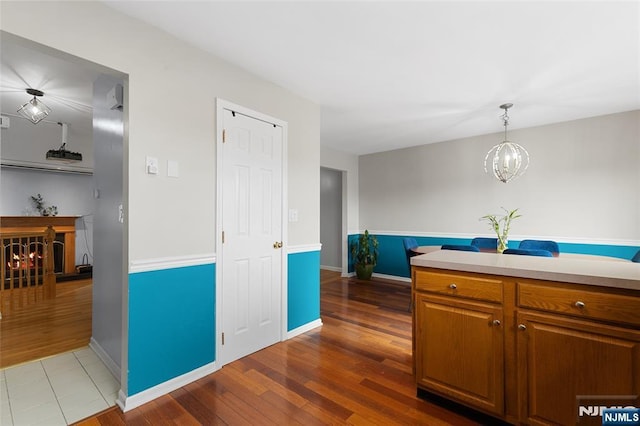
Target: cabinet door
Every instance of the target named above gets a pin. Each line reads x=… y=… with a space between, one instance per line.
x=564 y=363
x=459 y=350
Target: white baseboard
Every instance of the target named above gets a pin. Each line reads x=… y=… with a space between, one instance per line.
x=331 y=268
x=384 y=276
x=127 y=403
x=392 y=277
x=106 y=359
x=304 y=328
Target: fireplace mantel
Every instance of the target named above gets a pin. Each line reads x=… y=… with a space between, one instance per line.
x=65 y=225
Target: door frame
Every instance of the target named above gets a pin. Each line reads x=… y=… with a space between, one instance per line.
x=222 y=105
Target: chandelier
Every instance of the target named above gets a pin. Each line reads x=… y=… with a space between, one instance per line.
x=507 y=160
x=34 y=110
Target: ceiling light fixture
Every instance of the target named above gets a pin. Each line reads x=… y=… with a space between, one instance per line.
x=34 y=110
x=507 y=160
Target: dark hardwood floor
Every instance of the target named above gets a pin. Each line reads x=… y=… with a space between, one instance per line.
x=355 y=369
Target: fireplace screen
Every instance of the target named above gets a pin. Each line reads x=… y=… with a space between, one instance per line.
x=23 y=258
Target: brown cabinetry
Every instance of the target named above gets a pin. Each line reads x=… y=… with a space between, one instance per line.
x=524 y=350
x=460 y=350
x=575 y=345
x=459 y=337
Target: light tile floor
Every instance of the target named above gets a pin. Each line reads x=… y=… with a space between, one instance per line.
x=58 y=390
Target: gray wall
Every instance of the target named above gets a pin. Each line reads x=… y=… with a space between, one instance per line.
x=582 y=185
x=109 y=265
x=331 y=218
x=72 y=194
x=26 y=144
x=348 y=164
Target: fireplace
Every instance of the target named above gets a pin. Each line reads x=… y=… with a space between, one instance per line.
x=29 y=254
x=26 y=254
x=27 y=273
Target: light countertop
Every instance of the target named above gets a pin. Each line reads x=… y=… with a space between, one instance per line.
x=580 y=270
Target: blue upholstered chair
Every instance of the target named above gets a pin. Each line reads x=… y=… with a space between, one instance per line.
x=636 y=258
x=548 y=245
x=409 y=244
x=459 y=247
x=529 y=252
x=485 y=244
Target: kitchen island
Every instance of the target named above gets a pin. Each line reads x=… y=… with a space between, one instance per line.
x=529 y=340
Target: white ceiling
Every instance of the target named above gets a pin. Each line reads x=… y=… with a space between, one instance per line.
x=395 y=74
x=67 y=83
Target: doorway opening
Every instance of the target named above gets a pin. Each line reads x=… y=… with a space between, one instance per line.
x=333 y=220
x=90 y=191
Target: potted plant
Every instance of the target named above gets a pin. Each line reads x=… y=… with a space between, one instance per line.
x=364 y=253
x=38 y=203
x=501 y=226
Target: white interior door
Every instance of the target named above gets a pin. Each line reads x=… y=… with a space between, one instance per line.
x=251 y=252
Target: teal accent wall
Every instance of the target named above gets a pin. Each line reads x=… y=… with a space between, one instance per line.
x=171 y=324
x=351 y=239
x=392 y=259
x=303 y=288
x=623 y=252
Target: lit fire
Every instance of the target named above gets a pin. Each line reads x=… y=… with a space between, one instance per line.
x=31 y=260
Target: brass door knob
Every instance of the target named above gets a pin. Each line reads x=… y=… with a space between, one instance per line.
x=277 y=245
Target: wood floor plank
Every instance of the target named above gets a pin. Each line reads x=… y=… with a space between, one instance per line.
x=209 y=393
x=355 y=369
x=189 y=402
x=276 y=388
x=292 y=411
x=248 y=410
x=49 y=327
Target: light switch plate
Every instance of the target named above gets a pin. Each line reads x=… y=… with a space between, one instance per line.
x=173 y=170
x=293 y=215
x=152 y=165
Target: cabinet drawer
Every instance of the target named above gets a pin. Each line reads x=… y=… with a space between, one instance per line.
x=461 y=285
x=582 y=302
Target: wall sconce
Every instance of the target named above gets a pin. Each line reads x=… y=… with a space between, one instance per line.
x=507 y=160
x=34 y=110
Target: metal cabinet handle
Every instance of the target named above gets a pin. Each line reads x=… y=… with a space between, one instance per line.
x=579 y=304
x=522 y=327
x=453 y=286
x=496 y=322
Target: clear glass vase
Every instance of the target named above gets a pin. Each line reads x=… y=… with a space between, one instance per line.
x=502 y=244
